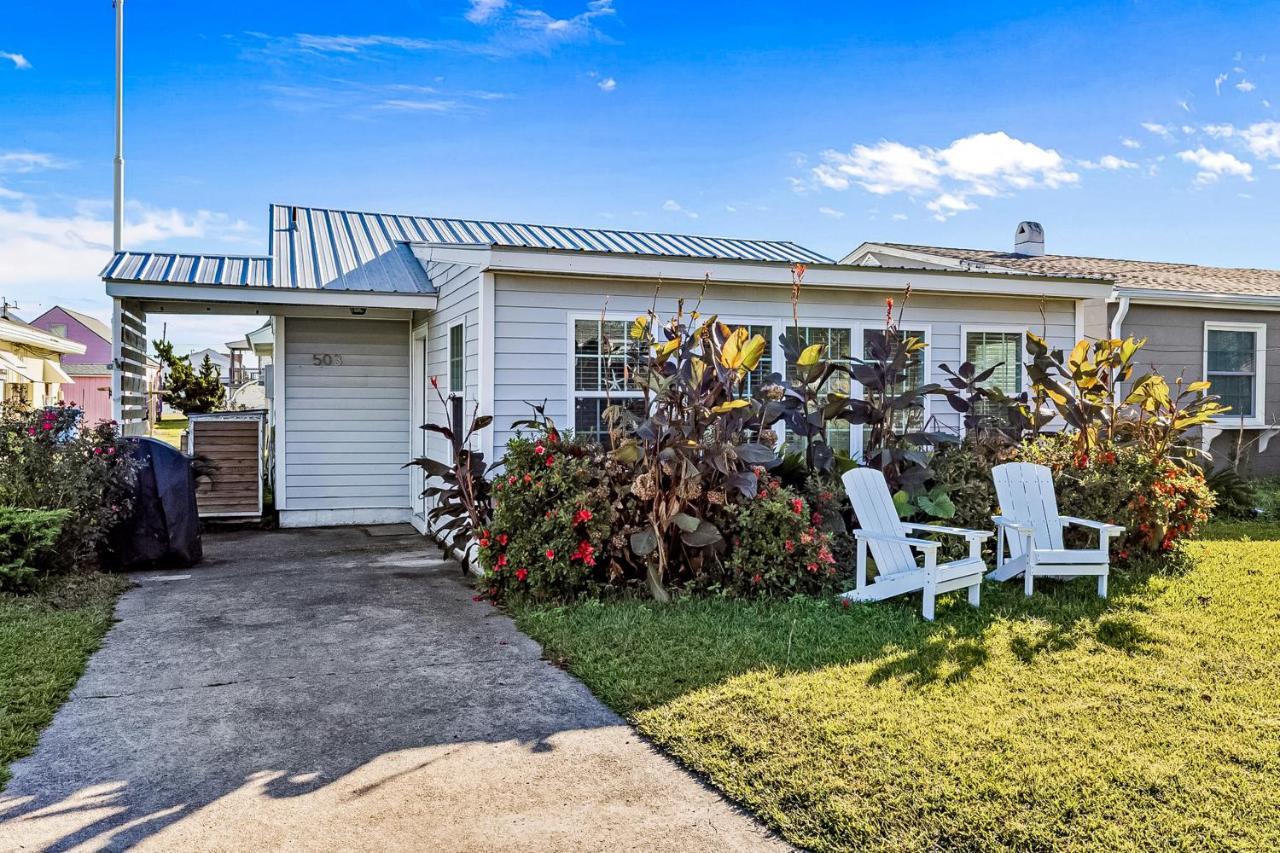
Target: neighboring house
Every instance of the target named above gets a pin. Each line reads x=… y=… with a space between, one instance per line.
x=30 y=370
x=223 y=361
x=90 y=371
x=367 y=308
x=1200 y=323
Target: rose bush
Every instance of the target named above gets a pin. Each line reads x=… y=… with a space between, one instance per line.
x=779 y=546
x=553 y=517
x=1158 y=501
x=49 y=459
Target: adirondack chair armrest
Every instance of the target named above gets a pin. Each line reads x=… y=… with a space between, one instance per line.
x=922 y=544
x=979 y=535
x=1001 y=521
x=1109 y=529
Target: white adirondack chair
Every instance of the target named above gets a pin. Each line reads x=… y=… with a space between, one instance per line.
x=1031 y=529
x=899 y=571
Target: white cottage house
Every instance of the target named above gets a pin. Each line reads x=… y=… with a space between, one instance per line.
x=365 y=308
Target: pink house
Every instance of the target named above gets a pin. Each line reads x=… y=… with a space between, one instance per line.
x=91 y=390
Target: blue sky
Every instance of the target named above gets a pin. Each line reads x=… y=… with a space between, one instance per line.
x=1127 y=129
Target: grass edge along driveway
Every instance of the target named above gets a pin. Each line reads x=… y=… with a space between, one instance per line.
x=1150 y=720
x=46 y=638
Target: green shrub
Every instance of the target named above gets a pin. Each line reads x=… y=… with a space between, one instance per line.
x=49 y=459
x=1235 y=497
x=552 y=522
x=28 y=538
x=1159 y=503
x=778 y=547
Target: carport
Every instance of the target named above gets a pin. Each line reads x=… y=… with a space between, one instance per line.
x=345 y=379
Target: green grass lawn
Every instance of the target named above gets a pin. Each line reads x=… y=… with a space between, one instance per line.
x=45 y=640
x=169 y=429
x=1151 y=720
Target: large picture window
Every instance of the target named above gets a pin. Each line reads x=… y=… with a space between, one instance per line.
x=838 y=343
x=1001 y=350
x=1234 y=359
x=604 y=362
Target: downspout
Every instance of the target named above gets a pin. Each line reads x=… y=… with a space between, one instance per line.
x=117 y=230
x=1117 y=322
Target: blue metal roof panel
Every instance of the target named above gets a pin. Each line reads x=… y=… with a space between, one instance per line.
x=315 y=247
x=175 y=268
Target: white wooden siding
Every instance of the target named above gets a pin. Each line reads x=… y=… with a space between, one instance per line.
x=531 y=347
x=458 y=300
x=346 y=435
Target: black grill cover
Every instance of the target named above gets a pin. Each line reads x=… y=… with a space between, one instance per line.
x=164 y=527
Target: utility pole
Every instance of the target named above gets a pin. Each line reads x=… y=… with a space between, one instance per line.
x=117 y=232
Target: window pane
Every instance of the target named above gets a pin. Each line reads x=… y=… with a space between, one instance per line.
x=988 y=349
x=757 y=377
x=915 y=371
x=588 y=415
x=1237 y=392
x=604 y=356
x=457 y=373
x=1231 y=351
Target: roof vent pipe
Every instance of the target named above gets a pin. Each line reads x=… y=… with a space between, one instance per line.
x=1029 y=239
x=117 y=220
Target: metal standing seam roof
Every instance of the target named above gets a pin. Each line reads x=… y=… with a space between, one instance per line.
x=317 y=247
x=171 y=268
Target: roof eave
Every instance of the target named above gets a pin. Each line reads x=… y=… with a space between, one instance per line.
x=1151 y=296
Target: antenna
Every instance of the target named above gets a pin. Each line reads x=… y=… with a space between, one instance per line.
x=117 y=232
x=5 y=305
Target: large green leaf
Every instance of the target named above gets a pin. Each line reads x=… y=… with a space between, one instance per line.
x=706 y=534
x=644 y=542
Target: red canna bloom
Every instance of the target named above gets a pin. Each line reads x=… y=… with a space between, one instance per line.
x=522 y=574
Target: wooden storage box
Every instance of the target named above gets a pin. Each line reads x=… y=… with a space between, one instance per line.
x=233 y=441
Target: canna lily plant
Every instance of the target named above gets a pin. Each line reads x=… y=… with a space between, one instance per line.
x=696 y=443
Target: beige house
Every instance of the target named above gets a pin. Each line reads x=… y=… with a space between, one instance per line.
x=31 y=372
x=1200 y=322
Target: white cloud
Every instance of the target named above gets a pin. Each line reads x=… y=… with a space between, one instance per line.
x=831 y=212
x=482 y=11
x=29 y=161
x=1218 y=81
x=608 y=84
x=1261 y=138
x=673 y=206
x=1161 y=130
x=71 y=248
x=1185 y=104
x=947 y=205
x=983 y=164
x=1245 y=86
x=899 y=217
x=565 y=29
x=1215 y=164
x=1131 y=143
x=1109 y=162
x=19 y=61
x=421 y=106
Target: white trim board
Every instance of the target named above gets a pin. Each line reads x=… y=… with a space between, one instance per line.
x=199 y=295
x=1259 y=416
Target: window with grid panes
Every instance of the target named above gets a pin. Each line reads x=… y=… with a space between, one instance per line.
x=604 y=361
x=1231 y=365
x=838 y=347
x=911 y=420
x=987 y=349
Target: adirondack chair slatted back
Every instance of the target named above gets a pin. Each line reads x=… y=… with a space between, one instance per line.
x=1025 y=492
x=873 y=506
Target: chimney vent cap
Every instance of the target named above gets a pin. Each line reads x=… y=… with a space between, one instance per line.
x=1029 y=239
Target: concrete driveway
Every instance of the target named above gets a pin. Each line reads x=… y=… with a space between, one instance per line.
x=339 y=689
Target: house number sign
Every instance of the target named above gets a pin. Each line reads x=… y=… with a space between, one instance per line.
x=326 y=359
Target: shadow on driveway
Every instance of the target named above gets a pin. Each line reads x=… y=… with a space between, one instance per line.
x=339 y=688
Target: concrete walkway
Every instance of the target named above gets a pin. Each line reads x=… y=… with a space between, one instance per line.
x=339 y=689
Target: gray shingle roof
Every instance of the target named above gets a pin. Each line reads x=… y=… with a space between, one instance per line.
x=1140 y=275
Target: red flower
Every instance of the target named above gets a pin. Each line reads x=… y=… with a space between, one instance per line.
x=789 y=545
x=521 y=574
x=502 y=560
x=550 y=460
x=435 y=382
x=553 y=436
x=528 y=478
x=582 y=516
x=797 y=506
x=813 y=568
x=844 y=602
x=502 y=539
x=539 y=449
x=757 y=578
x=551 y=555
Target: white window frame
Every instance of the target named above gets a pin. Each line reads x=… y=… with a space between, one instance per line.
x=572 y=392
x=855 y=387
x=999 y=328
x=448 y=360
x=778 y=327
x=1260 y=368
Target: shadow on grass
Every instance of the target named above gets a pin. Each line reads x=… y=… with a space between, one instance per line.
x=625 y=650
